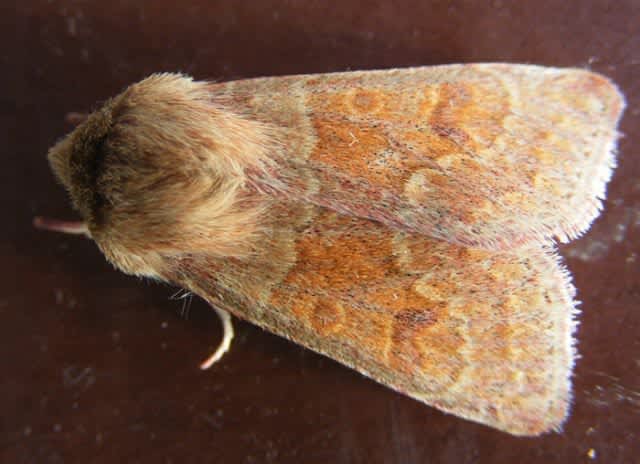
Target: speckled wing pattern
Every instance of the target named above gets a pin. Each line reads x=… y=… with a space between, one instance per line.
x=489 y=155
x=484 y=335
x=406 y=237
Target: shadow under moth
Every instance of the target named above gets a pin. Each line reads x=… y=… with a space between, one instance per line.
x=401 y=222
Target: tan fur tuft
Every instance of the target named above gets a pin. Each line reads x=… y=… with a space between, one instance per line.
x=162 y=169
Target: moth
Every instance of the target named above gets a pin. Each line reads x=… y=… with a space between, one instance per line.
x=401 y=222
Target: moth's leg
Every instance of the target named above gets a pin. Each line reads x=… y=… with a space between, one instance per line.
x=227 y=336
x=75 y=118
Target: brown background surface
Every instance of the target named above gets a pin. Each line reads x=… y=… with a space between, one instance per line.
x=100 y=367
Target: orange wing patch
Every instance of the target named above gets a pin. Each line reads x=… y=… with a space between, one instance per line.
x=345 y=284
x=403 y=307
x=414 y=144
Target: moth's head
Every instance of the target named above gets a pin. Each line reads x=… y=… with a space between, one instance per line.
x=161 y=169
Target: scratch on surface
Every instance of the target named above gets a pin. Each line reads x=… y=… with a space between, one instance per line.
x=82 y=377
x=604 y=396
x=603 y=235
x=402 y=438
x=348 y=447
x=214 y=420
x=62 y=298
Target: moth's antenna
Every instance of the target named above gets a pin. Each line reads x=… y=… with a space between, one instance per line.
x=67 y=227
